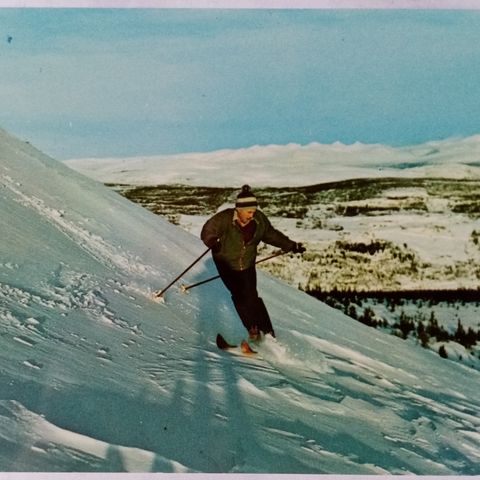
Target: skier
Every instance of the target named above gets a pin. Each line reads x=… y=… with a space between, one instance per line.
x=233 y=235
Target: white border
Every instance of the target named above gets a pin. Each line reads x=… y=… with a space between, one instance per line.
x=235 y=4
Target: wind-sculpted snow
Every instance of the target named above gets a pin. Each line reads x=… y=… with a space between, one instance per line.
x=69 y=451
x=96 y=377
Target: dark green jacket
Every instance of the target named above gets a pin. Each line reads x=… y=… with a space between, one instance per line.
x=237 y=254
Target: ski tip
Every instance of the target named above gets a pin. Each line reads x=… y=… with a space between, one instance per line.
x=247 y=349
x=244 y=349
x=222 y=343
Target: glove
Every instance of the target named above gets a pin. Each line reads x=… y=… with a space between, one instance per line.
x=215 y=245
x=298 y=248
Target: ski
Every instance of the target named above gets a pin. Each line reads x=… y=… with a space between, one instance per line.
x=245 y=348
x=222 y=344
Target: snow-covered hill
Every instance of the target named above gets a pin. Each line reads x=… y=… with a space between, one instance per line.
x=290 y=165
x=97 y=377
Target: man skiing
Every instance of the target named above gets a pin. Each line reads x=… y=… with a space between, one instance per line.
x=233 y=236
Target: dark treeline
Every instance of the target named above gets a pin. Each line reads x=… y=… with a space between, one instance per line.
x=423 y=326
x=454 y=295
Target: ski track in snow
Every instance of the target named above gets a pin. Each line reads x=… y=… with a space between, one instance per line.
x=94 y=245
x=25 y=314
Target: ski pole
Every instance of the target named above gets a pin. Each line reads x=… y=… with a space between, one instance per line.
x=186 y=288
x=159 y=293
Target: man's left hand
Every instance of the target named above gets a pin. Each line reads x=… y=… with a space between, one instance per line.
x=298 y=248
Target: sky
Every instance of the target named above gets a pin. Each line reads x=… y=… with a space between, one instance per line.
x=127 y=82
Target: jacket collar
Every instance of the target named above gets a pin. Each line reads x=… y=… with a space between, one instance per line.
x=235 y=218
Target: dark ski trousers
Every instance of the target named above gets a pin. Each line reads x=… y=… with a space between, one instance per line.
x=242 y=284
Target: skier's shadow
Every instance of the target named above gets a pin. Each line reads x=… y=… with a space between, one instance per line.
x=214 y=313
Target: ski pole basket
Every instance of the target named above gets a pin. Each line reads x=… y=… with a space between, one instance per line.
x=160 y=293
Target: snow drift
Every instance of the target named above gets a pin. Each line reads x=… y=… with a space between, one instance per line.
x=94 y=376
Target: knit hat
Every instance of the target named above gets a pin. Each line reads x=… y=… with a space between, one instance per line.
x=246 y=198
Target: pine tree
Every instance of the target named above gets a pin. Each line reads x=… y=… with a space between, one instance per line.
x=443 y=352
x=470 y=338
x=434 y=330
x=422 y=335
x=432 y=327
x=460 y=334
x=368 y=317
x=405 y=325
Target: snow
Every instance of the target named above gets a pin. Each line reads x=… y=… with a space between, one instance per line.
x=97 y=377
x=290 y=165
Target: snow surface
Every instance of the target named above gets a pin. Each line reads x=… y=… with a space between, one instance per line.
x=290 y=165
x=96 y=377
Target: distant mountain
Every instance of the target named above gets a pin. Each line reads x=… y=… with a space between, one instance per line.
x=290 y=165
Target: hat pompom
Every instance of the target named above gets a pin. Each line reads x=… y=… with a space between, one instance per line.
x=246 y=198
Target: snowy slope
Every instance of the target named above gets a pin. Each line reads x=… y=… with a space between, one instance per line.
x=290 y=165
x=97 y=377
